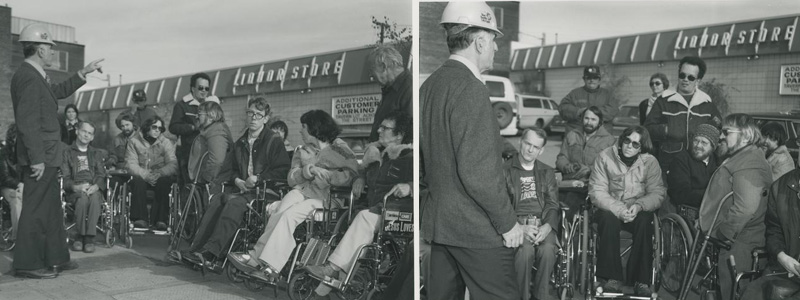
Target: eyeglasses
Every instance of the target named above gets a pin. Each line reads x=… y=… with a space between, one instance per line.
x=381 y=127
x=655 y=83
x=156 y=127
x=726 y=131
x=636 y=145
x=254 y=116
x=591 y=77
x=204 y=88
x=687 y=76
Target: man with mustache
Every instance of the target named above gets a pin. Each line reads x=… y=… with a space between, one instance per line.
x=690 y=171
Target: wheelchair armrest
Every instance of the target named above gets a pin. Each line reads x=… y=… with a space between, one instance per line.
x=759 y=252
x=563 y=206
x=719 y=243
x=341 y=189
x=274 y=183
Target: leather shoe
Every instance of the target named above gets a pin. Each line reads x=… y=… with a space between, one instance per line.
x=36 y=274
x=67 y=266
x=77 y=246
x=88 y=248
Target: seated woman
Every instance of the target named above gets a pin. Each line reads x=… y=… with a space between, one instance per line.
x=224 y=213
x=10 y=184
x=388 y=168
x=85 y=180
x=323 y=161
x=150 y=159
x=625 y=185
x=214 y=141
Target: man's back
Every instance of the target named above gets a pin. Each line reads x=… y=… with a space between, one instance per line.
x=468 y=204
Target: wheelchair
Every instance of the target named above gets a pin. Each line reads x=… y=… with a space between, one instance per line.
x=377 y=261
x=186 y=211
x=577 y=260
x=6 y=243
x=105 y=224
x=117 y=216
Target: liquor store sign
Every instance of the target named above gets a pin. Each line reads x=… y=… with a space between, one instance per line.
x=352 y=110
x=790 y=80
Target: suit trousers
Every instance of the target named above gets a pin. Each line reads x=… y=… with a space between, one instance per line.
x=278 y=238
x=87 y=211
x=41 y=238
x=223 y=216
x=487 y=273
x=361 y=232
x=14 y=200
x=159 y=211
x=640 y=262
x=544 y=255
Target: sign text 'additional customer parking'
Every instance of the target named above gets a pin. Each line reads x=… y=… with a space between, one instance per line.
x=351 y=110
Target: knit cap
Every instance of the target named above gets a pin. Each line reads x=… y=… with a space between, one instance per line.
x=708 y=131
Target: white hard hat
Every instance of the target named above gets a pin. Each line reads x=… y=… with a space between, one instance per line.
x=36 y=33
x=474 y=14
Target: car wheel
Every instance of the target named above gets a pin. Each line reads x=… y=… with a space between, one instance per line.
x=503 y=112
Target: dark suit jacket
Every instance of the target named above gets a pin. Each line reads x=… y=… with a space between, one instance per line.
x=467 y=203
x=36 y=114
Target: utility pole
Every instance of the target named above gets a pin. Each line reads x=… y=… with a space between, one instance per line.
x=108 y=79
x=544 y=38
x=383 y=25
x=120 y=79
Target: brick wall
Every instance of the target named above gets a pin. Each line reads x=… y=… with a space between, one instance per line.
x=6 y=71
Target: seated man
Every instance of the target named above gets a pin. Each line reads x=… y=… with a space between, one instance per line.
x=782 y=241
x=579 y=151
x=119 y=144
x=258 y=155
x=626 y=187
x=151 y=161
x=388 y=167
x=534 y=194
x=690 y=170
x=84 y=180
x=323 y=161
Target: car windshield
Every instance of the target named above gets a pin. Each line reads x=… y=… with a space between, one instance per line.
x=629 y=112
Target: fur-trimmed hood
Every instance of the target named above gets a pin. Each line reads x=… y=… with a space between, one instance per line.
x=373 y=153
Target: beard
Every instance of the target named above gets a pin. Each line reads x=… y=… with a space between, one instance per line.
x=589 y=129
x=127 y=132
x=700 y=154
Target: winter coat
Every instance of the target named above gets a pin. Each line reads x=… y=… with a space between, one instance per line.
x=270 y=159
x=215 y=140
x=393 y=165
x=97 y=159
x=336 y=158
x=741 y=219
x=184 y=115
x=615 y=187
x=781 y=162
x=143 y=158
x=119 y=147
x=395 y=97
x=577 y=149
x=782 y=218
x=546 y=188
x=581 y=98
x=672 y=119
x=687 y=178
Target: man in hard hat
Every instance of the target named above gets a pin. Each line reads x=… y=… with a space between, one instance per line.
x=41 y=239
x=590 y=94
x=467 y=215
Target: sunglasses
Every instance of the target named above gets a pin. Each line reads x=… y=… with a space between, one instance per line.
x=726 y=131
x=591 y=77
x=381 y=127
x=655 y=83
x=156 y=127
x=686 y=76
x=636 y=145
x=204 y=88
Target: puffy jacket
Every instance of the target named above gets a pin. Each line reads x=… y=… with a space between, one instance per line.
x=546 y=188
x=270 y=159
x=671 y=120
x=781 y=162
x=97 y=159
x=395 y=165
x=214 y=139
x=615 y=187
x=782 y=218
x=143 y=158
x=580 y=98
x=577 y=149
x=747 y=174
x=119 y=147
x=336 y=158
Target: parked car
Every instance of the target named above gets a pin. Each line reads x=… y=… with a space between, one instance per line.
x=502 y=94
x=628 y=116
x=557 y=125
x=535 y=111
x=790 y=120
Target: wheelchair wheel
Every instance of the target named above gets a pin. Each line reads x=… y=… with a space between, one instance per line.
x=110 y=238
x=301 y=286
x=129 y=242
x=360 y=284
x=375 y=294
x=675 y=240
x=6 y=244
x=193 y=216
x=234 y=274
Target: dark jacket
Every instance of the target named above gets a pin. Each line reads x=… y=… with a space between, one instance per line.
x=396 y=165
x=747 y=174
x=216 y=140
x=184 y=115
x=119 y=147
x=687 y=179
x=467 y=204
x=546 y=188
x=270 y=159
x=36 y=114
x=68 y=132
x=580 y=98
x=643 y=111
x=396 y=96
x=142 y=115
x=97 y=159
x=576 y=148
x=783 y=217
x=669 y=124
x=9 y=174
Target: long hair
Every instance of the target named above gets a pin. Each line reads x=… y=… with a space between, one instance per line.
x=747 y=126
x=213 y=111
x=150 y=122
x=320 y=125
x=647 y=144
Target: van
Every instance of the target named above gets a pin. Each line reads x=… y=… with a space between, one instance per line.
x=502 y=94
x=535 y=111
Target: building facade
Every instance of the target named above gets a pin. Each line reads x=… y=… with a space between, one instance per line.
x=69 y=59
x=756 y=63
x=337 y=82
